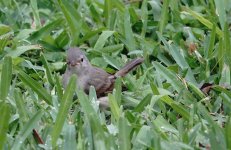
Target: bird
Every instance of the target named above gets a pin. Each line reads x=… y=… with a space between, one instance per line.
x=88 y=75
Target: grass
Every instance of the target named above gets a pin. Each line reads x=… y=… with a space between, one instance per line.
x=179 y=98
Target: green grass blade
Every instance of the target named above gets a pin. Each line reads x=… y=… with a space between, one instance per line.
x=63 y=110
x=70 y=137
x=107 y=11
x=102 y=39
x=90 y=112
x=27 y=130
x=228 y=133
x=115 y=111
x=5 y=33
x=144 y=138
x=154 y=88
x=98 y=132
x=112 y=61
x=119 y=4
x=4 y=123
x=91 y=34
x=48 y=71
x=168 y=75
x=36 y=87
x=6 y=77
x=204 y=21
x=220 y=8
x=211 y=42
x=124 y=131
x=96 y=15
x=112 y=48
x=4 y=29
x=221 y=89
x=74 y=11
x=63 y=39
x=58 y=87
x=176 y=106
x=220 y=57
x=141 y=80
x=143 y=103
x=23 y=115
x=227 y=45
x=3 y=43
x=144 y=17
x=181 y=110
x=164 y=16
x=216 y=134
x=175 y=53
x=130 y=40
x=35 y=13
x=92 y=93
x=168 y=100
x=46 y=29
x=74 y=22
x=225 y=76
x=22 y=49
x=164 y=126
x=118 y=88
x=196 y=90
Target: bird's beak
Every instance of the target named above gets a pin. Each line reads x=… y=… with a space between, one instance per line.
x=75 y=63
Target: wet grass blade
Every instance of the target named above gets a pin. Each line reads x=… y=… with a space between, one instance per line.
x=6 y=77
x=124 y=131
x=48 y=71
x=27 y=130
x=114 y=107
x=112 y=48
x=63 y=109
x=168 y=75
x=130 y=40
x=23 y=115
x=211 y=42
x=46 y=29
x=70 y=137
x=196 y=90
x=102 y=39
x=96 y=127
x=228 y=133
x=220 y=8
x=22 y=49
x=107 y=11
x=143 y=103
x=174 y=52
x=90 y=34
x=227 y=45
x=204 y=21
x=35 y=13
x=144 y=17
x=118 y=88
x=4 y=123
x=58 y=87
x=74 y=22
x=181 y=110
x=216 y=134
x=35 y=86
x=164 y=16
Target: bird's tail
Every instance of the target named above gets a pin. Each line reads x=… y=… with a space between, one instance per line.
x=128 y=67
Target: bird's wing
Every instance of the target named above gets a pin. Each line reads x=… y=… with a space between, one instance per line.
x=101 y=80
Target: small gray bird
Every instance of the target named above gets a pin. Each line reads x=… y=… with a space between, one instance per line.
x=88 y=75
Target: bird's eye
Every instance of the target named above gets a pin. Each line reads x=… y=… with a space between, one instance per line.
x=68 y=62
x=81 y=59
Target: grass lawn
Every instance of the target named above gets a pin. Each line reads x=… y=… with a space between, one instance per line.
x=178 y=98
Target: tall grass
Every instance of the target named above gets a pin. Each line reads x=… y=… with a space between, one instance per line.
x=179 y=98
